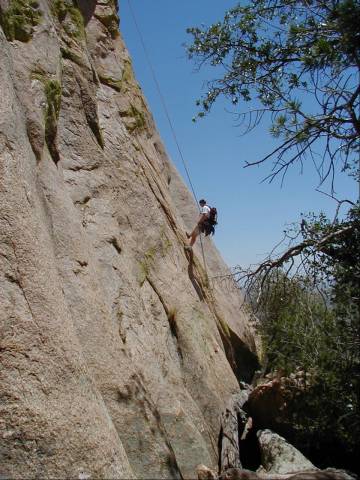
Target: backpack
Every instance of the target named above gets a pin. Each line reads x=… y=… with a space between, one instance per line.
x=209 y=224
x=213 y=216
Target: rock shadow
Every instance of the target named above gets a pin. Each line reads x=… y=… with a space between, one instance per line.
x=242 y=360
x=87 y=8
x=194 y=281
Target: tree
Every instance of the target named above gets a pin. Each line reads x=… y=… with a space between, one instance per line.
x=310 y=323
x=297 y=64
x=298 y=61
x=304 y=335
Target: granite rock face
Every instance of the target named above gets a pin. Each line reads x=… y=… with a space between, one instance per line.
x=279 y=456
x=117 y=354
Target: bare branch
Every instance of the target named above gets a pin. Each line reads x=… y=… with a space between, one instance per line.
x=268 y=265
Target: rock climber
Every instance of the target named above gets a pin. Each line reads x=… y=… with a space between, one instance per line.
x=200 y=226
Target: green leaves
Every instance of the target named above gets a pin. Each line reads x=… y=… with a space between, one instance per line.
x=310 y=322
x=272 y=53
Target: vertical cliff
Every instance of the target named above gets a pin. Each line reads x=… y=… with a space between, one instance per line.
x=117 y=353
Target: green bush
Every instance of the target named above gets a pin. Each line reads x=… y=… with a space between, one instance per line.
x=303 y=330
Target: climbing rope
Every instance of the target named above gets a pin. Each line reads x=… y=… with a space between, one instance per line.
x=166 y=111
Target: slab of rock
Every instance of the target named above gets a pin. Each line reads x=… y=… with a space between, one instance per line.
x=117 y=356
x=205 y=473
x=278 y=456
x=328 y=474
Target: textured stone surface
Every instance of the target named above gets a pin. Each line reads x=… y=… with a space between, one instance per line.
x=328 y=474
x=117 y=356
x=278 y=456
x=269 y=404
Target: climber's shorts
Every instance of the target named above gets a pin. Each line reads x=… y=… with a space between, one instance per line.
x=200 y=228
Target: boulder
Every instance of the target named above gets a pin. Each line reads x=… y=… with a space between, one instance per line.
x=328 y=474
x=278 y=456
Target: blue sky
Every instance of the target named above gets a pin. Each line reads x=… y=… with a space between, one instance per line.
x=252 y=215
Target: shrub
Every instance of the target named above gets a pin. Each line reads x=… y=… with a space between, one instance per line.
x=320 y=336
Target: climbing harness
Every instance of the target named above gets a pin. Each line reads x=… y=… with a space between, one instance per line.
x=162 y=99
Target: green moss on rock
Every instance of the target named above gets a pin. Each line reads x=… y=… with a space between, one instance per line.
x=19 y=19
x=111 y=82
x=110 y=22
x=52 y=91
x=70 y=17
x=146 y=263
x=53 y=96
x=120 y=85
x=138 y=117
x=38 y=74
x=53 y=102
x=70 y=55
x=59 y=9
x=128 y=74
